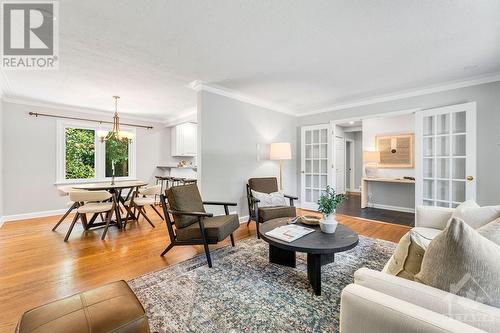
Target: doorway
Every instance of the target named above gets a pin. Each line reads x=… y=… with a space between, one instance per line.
x=350 y=162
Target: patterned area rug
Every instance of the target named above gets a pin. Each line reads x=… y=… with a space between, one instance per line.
x=243 y=292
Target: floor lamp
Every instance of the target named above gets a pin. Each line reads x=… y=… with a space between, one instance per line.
x=280 y=151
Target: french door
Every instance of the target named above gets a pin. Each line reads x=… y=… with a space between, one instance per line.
x=445 y=150
x=314 y=164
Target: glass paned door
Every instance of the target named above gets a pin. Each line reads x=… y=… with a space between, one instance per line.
x=446 y=155
x=315 y=160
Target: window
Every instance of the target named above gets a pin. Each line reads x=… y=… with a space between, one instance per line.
x=116 y=158
x=80 y=153
x=82 y=157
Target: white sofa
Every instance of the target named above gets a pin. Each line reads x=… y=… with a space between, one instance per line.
x=382 y=303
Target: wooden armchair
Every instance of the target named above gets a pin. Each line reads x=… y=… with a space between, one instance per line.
x=194 y=226
x=263 y=214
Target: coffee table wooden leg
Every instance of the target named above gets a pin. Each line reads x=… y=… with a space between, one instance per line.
x=314 y=272
x=281 y=257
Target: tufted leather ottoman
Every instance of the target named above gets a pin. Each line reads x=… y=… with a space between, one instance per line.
x=109 y=308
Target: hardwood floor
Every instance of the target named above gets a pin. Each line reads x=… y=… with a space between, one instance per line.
x=352 y=207
x=36 y=266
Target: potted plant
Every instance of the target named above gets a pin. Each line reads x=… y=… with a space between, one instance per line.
x=327 y=205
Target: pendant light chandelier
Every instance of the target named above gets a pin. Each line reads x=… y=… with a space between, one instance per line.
x=115 y=132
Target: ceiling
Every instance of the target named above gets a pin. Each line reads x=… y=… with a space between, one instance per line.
x=299 y=55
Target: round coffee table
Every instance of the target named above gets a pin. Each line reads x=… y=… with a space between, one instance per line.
x=320 y=248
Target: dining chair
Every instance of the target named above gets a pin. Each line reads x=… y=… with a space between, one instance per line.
x=91 y=202
x=63 y=191
x=142 y=198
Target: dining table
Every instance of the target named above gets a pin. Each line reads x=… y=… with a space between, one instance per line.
x=116 y=189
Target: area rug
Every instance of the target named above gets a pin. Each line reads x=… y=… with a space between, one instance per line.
x=243 y=292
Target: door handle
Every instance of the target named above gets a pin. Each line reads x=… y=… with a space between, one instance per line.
x=302 y=171
x=470 y=178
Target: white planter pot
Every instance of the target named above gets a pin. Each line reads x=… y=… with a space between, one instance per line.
x=328 y=224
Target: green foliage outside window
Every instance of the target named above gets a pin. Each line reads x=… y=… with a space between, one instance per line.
x=117 y=152
x=80 y=153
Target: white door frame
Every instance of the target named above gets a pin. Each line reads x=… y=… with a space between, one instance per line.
x=303 y=204
x=334 y=166
x=352 y=161
x=471 y=162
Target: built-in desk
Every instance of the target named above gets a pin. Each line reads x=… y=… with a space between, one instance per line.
x=366 y=181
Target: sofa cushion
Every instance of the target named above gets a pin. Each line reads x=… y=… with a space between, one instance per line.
x=185 y=198
x=273 y=199
x=110 y=308
x=476 y=216
x=407 y=258
x=426 y=235
x=461 y=261
x=491 y=231
x=479 y=315
x=269 y=213
x=216 y=228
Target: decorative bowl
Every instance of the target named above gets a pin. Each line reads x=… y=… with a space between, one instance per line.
x=309 y=220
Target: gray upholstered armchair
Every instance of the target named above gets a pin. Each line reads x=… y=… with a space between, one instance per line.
x=263 y=214
x=194 y=226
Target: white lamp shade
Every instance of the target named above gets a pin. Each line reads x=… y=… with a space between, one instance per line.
x=280 y=151
x=371 y=157
x=102 y=133
x=127 y=135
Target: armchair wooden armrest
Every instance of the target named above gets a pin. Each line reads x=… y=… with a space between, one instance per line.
x=198 y=214
x=219 y=203
x=292 y=198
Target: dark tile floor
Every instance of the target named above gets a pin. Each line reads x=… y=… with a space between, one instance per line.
x=352 y=207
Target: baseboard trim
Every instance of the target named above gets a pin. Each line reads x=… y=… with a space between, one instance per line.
x=395 y=208
x=55 y=212
x=33 y=215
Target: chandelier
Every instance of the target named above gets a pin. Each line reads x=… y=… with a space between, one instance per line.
x=115 y=133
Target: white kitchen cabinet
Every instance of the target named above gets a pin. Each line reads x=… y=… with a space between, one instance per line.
x=184 y=139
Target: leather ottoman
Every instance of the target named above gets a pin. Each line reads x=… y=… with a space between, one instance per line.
x=109 y=308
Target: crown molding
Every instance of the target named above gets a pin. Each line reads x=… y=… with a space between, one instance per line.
x=199 y=85
x=188 y=115
x=450 y=85
x=237 y=95
x=74 y=108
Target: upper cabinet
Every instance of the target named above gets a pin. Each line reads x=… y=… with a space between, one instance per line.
x=184 y=139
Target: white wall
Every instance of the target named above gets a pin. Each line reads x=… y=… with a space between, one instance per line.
x=384 y=126
x=29 y=157
x=487 y=97
x=230 y=131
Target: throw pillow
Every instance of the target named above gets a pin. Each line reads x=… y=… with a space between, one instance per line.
x=461 y=261
x=407 y=258
x=476 y=216
x=269 y=199
x=491 y=231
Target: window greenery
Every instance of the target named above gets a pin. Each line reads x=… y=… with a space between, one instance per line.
x=80 y=153
x=117 y=153
x=85 y=157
